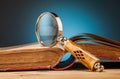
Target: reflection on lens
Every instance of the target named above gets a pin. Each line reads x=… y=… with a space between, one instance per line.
x=47 y=29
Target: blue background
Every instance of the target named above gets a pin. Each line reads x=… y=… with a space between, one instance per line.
x=18 y=18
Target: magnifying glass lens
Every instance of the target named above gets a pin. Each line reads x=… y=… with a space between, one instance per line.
x=47 y=29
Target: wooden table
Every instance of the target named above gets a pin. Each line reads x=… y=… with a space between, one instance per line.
x=67 y=74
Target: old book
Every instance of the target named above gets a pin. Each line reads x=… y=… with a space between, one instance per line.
x=30 y=56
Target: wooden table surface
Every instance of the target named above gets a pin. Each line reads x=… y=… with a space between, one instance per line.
x=66 y=74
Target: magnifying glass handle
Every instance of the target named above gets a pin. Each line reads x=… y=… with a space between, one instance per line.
x=83 y=56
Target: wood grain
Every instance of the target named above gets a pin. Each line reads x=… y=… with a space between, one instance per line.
x=68 y=74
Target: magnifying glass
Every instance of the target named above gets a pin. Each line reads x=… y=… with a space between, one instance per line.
x=49 y=34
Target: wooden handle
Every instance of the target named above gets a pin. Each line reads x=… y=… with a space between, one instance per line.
x=83 y=56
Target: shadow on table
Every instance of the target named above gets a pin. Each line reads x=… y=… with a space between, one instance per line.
x=107 y=65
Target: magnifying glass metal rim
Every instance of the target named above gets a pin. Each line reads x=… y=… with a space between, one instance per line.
x=59 y=23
